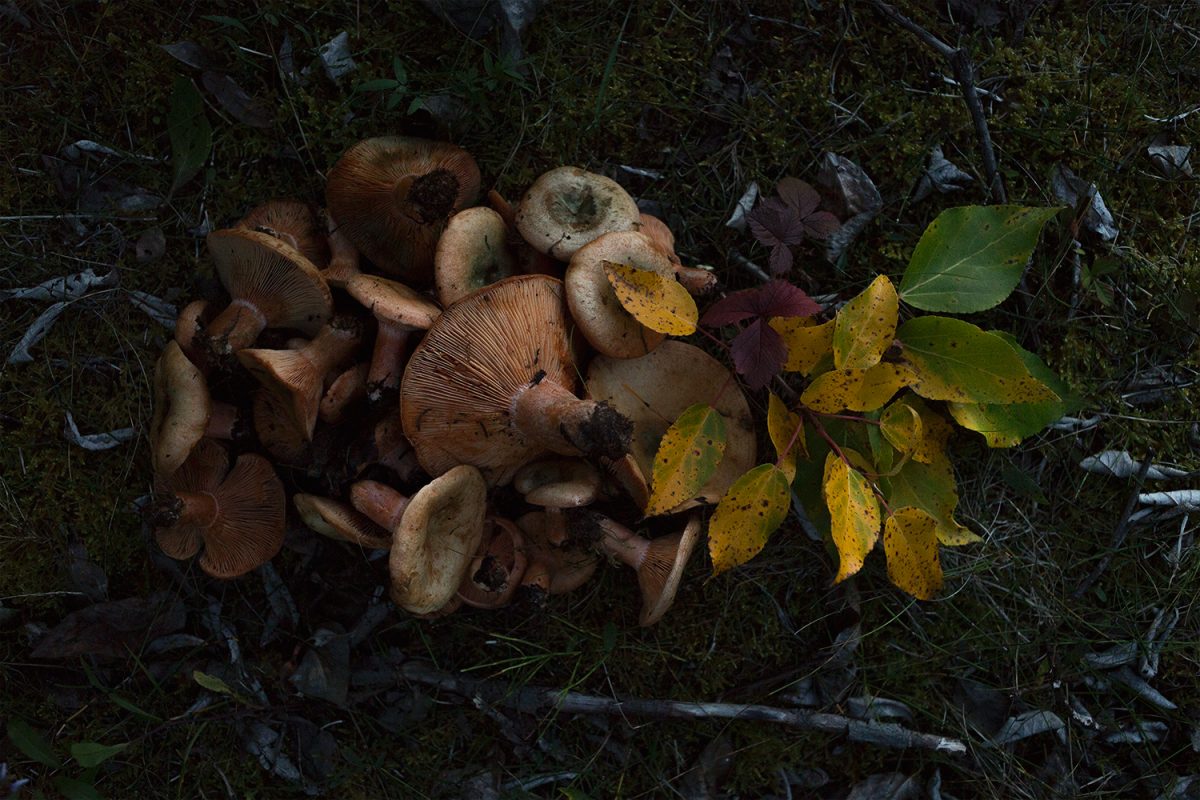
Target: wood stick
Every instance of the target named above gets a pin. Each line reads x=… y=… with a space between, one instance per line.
x=536 y=699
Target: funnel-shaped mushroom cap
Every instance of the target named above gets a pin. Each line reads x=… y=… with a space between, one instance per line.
x=491 y=384
x=558 y=483
x=471 y=254
x=181 y=409
x=495 y=573
x=553 y=568
x=594 y=305
x=653 y=390
x=295 y=222
x=438 y=536
x=568 y=207
x=200 y=474
x=277 y=431
x=392 y=196
x=662 y=570
x=271 y=285
x=250 y=530
x=339 y=521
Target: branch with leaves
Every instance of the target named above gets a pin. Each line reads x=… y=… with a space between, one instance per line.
x=864 y=446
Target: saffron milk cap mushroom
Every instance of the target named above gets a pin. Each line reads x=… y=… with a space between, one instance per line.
x=471 y=253
x=399 y=311
x=337 y=520
x=295 y=222
x=568 y=207
x=495 y=573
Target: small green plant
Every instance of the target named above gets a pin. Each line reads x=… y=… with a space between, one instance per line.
x=862 y=443
x=87 y=755
x=474 y=88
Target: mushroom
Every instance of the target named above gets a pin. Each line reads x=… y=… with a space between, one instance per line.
x=392 y=196
x=297 y=376
x=343 y=256
x=659 y=562
x=436 y=540
x=399 y=310
x=394 y=451
x=271 y=285
x=696 y=280
x=189 y=328
x=346 y=389
x=293 y=221
x=568 y=207
x=238 y=517
x=595 y=308
x=471 y=254
x=554 y=567
x=495 y=573
x=491 y=384
x=528 y=260
x=339 y=521
x=653 y=390
x=556 y=484
x=277 y=431
x=184 y=411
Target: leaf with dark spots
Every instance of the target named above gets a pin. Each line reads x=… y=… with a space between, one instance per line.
x=777 y=298
x=112 y=630
x=233 y=98
x=758 y=354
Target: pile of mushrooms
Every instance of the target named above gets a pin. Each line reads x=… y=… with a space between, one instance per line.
x=404 y=366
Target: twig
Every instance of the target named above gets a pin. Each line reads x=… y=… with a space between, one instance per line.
x=964 y=73
x=533 y=699
x=1120 y=532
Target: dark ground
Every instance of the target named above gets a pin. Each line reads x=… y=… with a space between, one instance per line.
x=709 y=97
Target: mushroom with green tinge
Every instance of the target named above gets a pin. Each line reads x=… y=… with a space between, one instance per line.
x=472 y=253
x=568 y=207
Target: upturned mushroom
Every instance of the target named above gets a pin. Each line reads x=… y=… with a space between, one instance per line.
x=272 y=285
x=295 y=222
x=568 y=207
x=184 y=411
x=339 y=521
x=554 y=567
x=492 y=384
x=392 y=197
x=496 y=571
x=659 y=562
x=595 y=308
x=556 y=484
x=399 y=311
x=472 y=253
x=653 y=390
x=297 y=376
x=238 y=517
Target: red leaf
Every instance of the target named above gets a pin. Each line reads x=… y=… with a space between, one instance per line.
x=774 y=299
x=821 y=225
x=781 y=260
x=799 y=196
x=774 y=223
x=758 y=353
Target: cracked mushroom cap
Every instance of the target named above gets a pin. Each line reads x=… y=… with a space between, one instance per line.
x=595 y=308
x=295 y=222
x=338 y=520
x=436 y=540
x=653 y=390
x=492 y=384
x=182 y=407
x=472 y=253
x=392 y=197
x=568 y=207
x=272 y=285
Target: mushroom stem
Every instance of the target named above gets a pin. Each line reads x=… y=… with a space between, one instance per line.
x=343 y=257
x=696 y=279
x=236 y=327
x=380 y=502
x=554 y=418
x=620 y=542
x=178 y=509
x=387 y=360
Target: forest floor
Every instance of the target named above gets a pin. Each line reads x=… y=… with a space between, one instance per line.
x=685 y=104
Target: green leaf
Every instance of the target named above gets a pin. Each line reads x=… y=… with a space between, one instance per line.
x=971 y=258
x=854 y=513
x=931 y=488
x=911 y=545
x=1005 y=425
x=91 y=754
x=377 y=85
x=229 y=22
x=399 y=71
x=31 y=743
x=687 y=457
x=865 y=326
x=72 y=789
x=954 y=360
x=213 y=683
x=856 y=389
x=753 y=508
x=191 y=135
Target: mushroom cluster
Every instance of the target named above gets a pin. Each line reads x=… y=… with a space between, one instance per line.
x=405 y=365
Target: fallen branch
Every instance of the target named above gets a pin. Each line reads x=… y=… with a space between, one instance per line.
x=535 y=699
x=964 y=74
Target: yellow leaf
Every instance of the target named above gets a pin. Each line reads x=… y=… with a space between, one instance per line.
x=657 y=301
x=931 y=488
x=753 y=508
x=787 y=434
x=911 y=544
x=806 y=343
x=687 y=456
x=912 y=427
x=853 y=512
x=866 y=326
x=856 y=389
